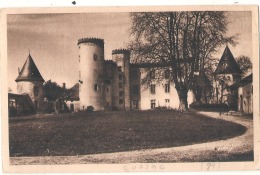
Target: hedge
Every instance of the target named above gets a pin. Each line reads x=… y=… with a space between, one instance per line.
x=210 y=107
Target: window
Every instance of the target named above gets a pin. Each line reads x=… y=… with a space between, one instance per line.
x=153 y=104
x=12 y=103
x=79 y=58
x=121 y=93
x=167 y=103
x=135 y=89
x=167 y=74
x=121 y=101
x=107 y=89
x=152 y=88
x=152 y=74
x=96 y=88
x=36 y=90
x=120 y=84
x=120 y=77
x=95 y=57
x=119 y=68
x=167 y=88
x=95 y=73
x=228 y=77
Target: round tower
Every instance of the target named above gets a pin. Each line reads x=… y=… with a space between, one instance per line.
x=30 y=81
x=122 y=58
x=91 y=68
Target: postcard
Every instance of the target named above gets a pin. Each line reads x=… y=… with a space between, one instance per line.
x=130 y=89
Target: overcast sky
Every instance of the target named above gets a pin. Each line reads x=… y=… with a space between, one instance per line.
x=52 y=40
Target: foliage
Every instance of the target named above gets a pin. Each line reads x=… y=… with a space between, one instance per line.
x=245 y=64
x=210 y=107
x=90 y=108
x=182 y=41
x=52 y=91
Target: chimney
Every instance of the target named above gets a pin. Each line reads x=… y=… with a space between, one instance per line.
x=64 y=85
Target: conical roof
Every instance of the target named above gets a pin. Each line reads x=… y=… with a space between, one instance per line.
x=227 y=64
x=29 y=71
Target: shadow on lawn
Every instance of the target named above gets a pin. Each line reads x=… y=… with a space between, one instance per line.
x=101 y=132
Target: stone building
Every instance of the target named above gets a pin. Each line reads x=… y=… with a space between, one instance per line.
x=227 y=73
x=116 y=84
x=29 y=97
x=244 y=93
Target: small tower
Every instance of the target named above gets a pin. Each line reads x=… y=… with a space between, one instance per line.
x=91 y=70
x=30 y=81
x=228 y=67
x=122 y=58
x=227 y=73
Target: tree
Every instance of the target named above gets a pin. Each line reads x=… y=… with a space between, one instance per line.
x=182 y=41
x=52 y=91
x=245 y=64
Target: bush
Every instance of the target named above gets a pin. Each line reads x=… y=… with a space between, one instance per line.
x=210 y=107
x=161 y=108
x=90 y=109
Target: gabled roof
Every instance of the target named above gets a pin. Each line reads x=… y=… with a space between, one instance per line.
x=74 y=93
x=227 y=64
x=21 y=98
x=29 y=71
x=245 y=81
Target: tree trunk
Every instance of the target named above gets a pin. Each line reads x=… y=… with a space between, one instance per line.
x=183 y=106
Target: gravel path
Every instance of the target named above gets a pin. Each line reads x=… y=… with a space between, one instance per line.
x=221 y=150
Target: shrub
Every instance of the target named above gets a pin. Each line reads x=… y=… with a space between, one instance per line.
x=90 y=109
x=210 y=107
x=161 y=108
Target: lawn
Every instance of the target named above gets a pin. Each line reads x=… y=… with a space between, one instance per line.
x=101 y=132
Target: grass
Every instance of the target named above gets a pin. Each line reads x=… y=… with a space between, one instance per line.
x=100 y=132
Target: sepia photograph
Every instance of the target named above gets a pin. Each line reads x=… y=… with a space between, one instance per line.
x=143 y=88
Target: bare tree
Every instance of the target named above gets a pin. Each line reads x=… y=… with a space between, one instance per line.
x=178 y=41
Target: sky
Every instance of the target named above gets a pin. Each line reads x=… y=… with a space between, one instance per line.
x=52 y=40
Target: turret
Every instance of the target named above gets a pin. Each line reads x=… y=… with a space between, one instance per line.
x=122 y=58
x=227 y=73
x=91 y=70
x=30 y=81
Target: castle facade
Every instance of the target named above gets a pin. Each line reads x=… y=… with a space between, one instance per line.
x=116 y=84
